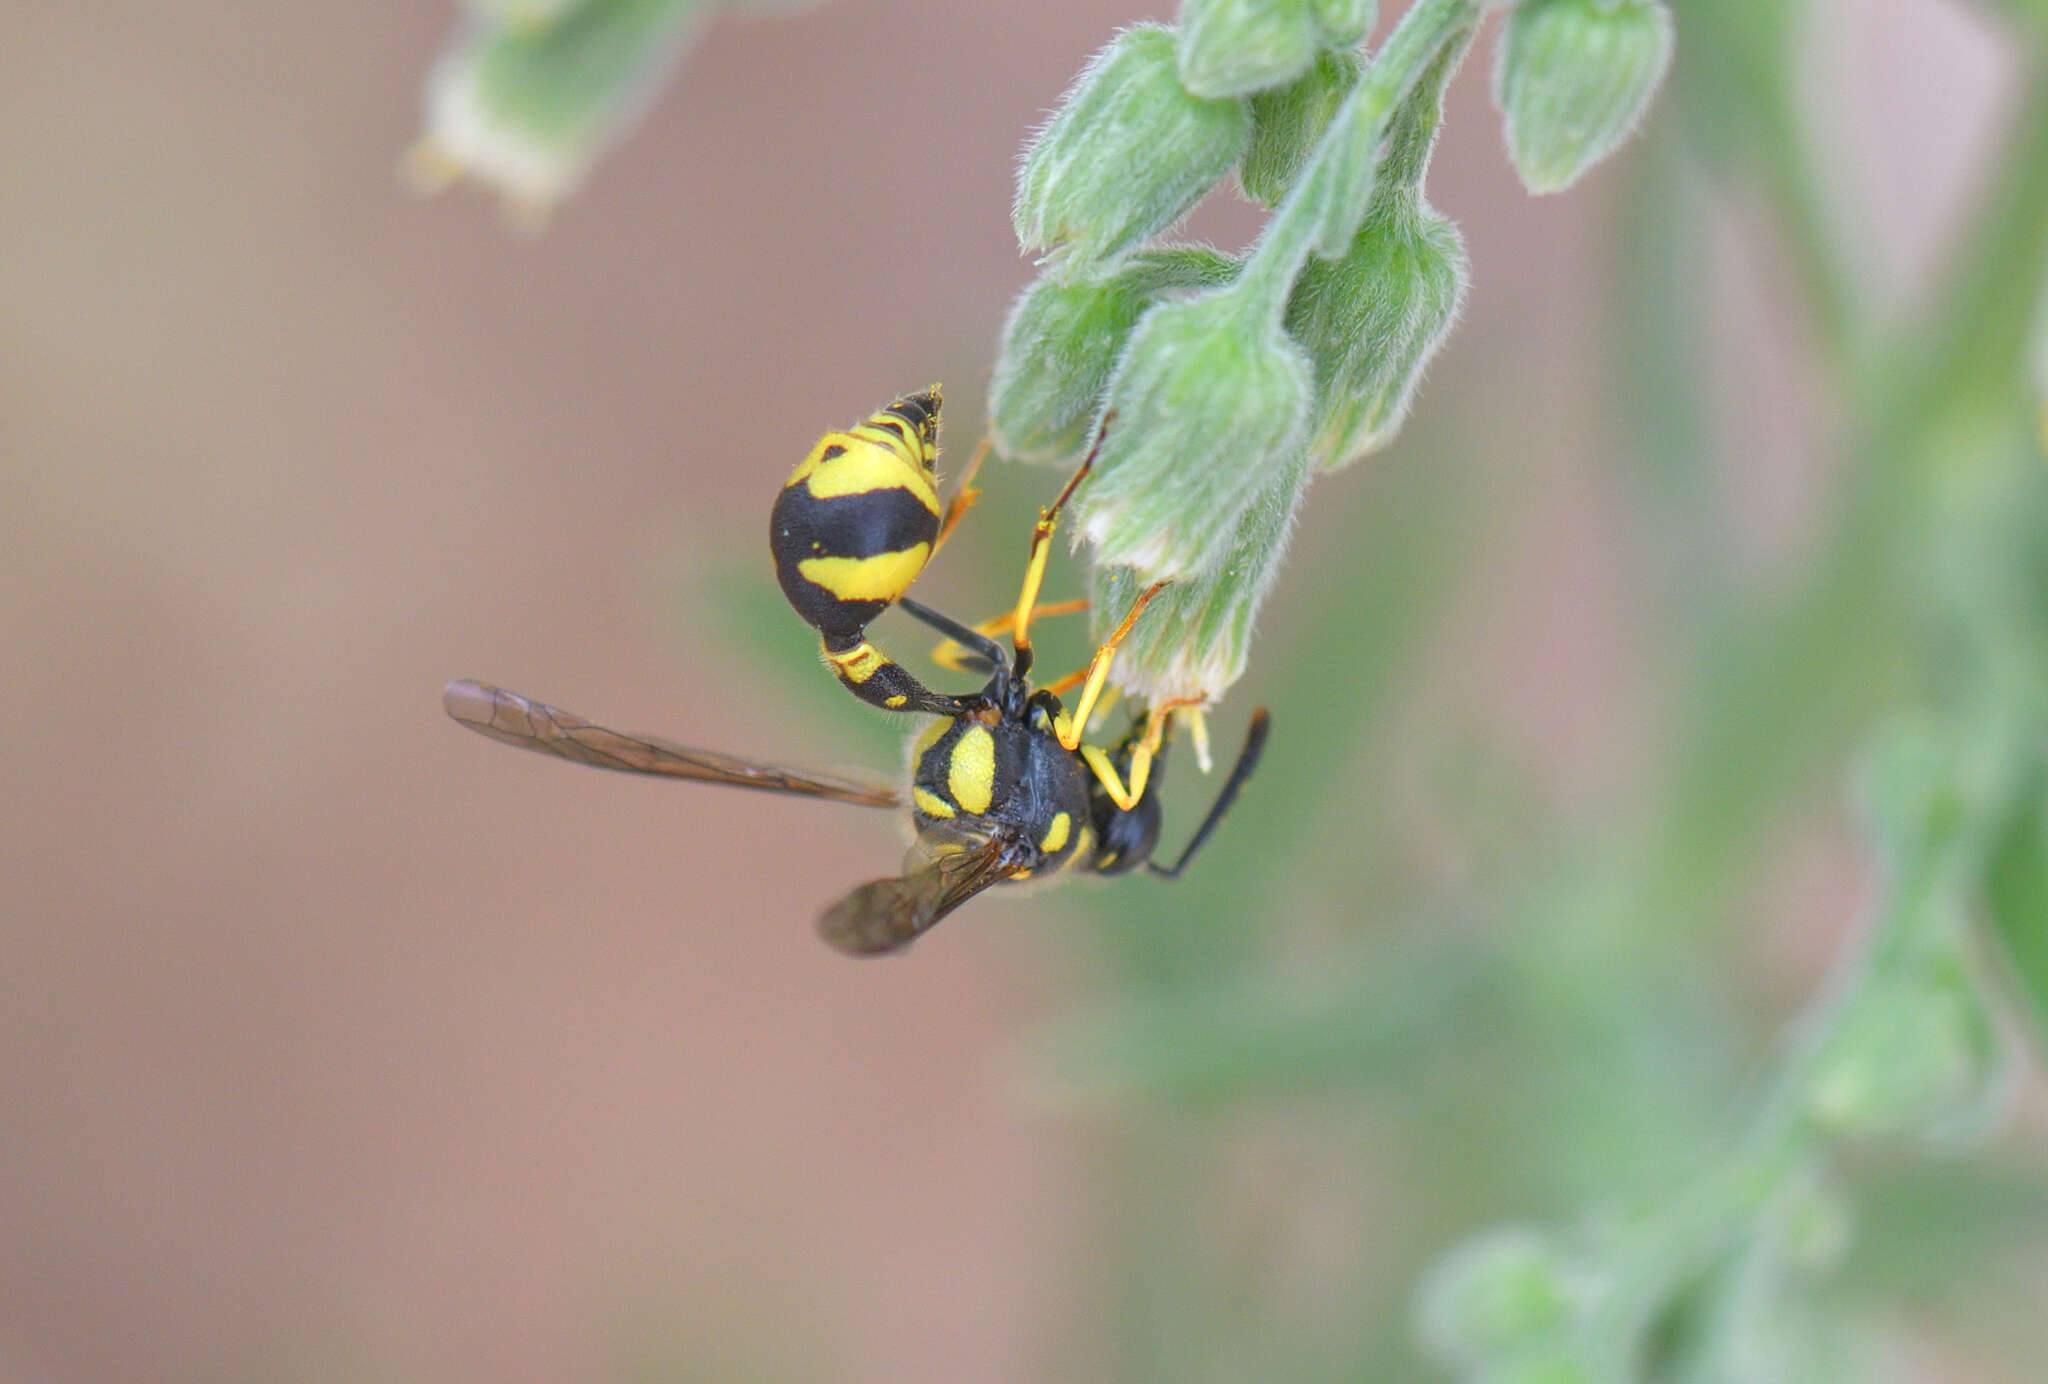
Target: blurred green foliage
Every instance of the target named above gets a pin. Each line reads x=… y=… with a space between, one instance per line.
x=1529 y=1118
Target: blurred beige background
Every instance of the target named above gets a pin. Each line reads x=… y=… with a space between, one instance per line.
x=335 y=1043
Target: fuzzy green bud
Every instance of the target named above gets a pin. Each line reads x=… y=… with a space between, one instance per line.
x=1128 y=153
x=1236 y=47
x=1919 y=1055
x=521 y=14
x=1063 y=339
x=1373 y=320
x=1209 y=396
x=1195 y=638
x=1344 y=23
x=527 y=110
x=1497 y=1297
x=1573 y=79
x=1287 y=121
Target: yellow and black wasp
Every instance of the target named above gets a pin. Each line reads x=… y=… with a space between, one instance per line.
x=1003 y=786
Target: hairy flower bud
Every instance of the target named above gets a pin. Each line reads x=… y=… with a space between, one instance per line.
x=1194 y=640
x=1209 y=397
x=1344 y=23
x=1128 y=153
x=1497 y=1297
x=1373 y=320
x=1919 y=1055
x=1287 y=121
x=1063 y=339
x=527 y=110
x=521 y=14
x=1573 y=78
x=1236 y=47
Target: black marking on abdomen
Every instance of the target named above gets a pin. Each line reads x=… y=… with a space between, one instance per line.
x=867 y=524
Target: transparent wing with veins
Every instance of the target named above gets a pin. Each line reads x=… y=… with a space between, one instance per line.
x=948 y=866
x=530 y=725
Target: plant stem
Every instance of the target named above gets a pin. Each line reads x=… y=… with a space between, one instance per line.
x=1323 y=209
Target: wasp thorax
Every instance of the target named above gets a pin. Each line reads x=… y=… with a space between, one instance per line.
x=1003 y=773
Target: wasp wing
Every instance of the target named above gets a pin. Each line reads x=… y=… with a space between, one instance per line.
x=884 y=915
x=532 y=725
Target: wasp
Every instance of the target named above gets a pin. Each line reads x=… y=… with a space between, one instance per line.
x=853 y=527
x=1003 y=784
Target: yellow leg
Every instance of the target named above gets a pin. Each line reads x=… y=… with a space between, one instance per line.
x=951 y=654
x=1142 y=755
x=1112 y=782
x=1041 y=550
x=964 y=496
x=1198 y=731
x=1098 y=667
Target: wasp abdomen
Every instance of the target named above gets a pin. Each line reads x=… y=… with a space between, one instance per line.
x=856 y=521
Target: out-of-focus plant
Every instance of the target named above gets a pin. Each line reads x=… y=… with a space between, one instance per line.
x=1536 y=1073
x=530 y=93
x=1221 y=400
x=1920 y=632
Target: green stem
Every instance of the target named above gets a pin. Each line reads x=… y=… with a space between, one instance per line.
x=1411 y=133
x=1323 y=209
x=1666 y=1249
x=1963 y=368
x=1968 y=362
x=1798 y=686
x=1815 y=246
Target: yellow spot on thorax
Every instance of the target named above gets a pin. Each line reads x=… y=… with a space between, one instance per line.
x=883 y=577
x=1055 y=838
x=929 y=737
x=971 y=773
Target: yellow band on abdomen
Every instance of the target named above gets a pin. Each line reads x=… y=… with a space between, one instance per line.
x=883 y=577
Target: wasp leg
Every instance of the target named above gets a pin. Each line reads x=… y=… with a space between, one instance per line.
x=1041 y=550
x=1142 y=754
x=973 y=642
x=952 y=655
x=1247 y=760
x=1098 y=667
x=964 y=496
